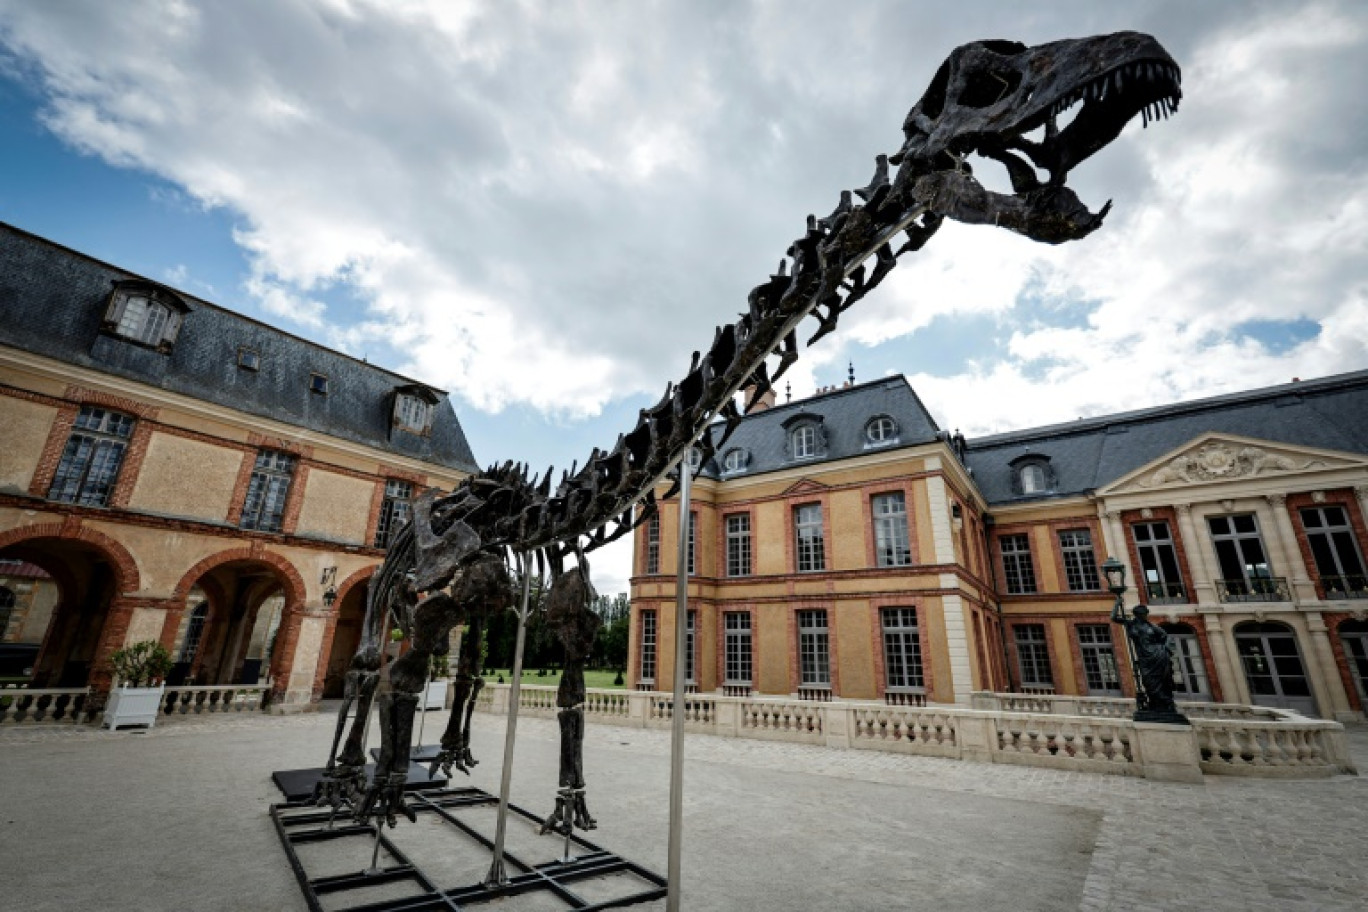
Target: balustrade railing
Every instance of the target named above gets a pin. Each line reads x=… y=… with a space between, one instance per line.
x=1284 y=748
x=1166 y=593
x=896 y=697
x=227 y=698
x=44 y=704
x=1256 y=589
x=1080 y=733
x=1345 y=587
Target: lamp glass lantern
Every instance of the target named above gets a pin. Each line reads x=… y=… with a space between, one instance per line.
x=1115 y=572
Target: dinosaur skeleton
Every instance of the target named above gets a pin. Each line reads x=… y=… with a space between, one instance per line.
x=997 y=99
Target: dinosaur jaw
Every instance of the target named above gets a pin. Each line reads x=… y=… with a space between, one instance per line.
x=1144 y=87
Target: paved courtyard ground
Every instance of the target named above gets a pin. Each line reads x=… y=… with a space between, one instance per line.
x=175 y=819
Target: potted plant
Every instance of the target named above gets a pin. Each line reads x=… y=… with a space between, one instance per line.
x=434 y=697
x=140 y=674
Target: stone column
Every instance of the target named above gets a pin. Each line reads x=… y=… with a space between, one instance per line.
x=1234 y=687
x=1361 y=492
x=1326 y=671
x=1302 y=589
x=1204 y=590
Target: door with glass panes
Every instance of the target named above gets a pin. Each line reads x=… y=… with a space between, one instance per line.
x=1353 y=637
x=1189 y=668
x=1273 y=667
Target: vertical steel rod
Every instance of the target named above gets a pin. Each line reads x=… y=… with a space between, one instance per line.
x=375 y=853
x=497 y=875
x=672 y=899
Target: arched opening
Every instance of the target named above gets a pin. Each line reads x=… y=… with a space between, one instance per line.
x=1353 y=637
x=67 y=586
x=1273 y=667
x=351 y=612
x=233 y=610
x=1190 y=681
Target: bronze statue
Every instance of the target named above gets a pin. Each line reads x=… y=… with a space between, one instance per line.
x=989 y=98
x=1153 y=666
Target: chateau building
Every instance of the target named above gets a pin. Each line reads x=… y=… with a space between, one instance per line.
x=177 y=472
x=844 y=547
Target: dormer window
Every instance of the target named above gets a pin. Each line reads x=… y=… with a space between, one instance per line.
x=318 y=384
x=735 y=460
x=249 y=359
x=694 y=458
x=143 y=313
x=1032 y=474
x=413 y=407
x=806 y=439
x=881 y=430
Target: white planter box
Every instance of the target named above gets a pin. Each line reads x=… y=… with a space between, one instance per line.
x=435 y=695
x=133 y=706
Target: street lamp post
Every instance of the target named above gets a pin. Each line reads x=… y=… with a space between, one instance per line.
x=1147 y=647
x=1115 y=572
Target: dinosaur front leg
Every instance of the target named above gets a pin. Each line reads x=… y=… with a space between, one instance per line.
x=385 y=797
x=455 y=751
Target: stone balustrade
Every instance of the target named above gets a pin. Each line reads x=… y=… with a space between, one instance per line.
x=230 y=698
x=1074 y=733
x=45 y=705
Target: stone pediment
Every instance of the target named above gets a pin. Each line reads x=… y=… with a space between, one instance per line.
x=806 y=486
x=1220 y=458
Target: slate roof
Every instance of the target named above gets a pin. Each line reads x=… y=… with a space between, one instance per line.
x=52 y=302
x=1328 y=413
x=843 y=415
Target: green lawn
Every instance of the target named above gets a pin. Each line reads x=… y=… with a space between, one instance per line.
x=597 y=679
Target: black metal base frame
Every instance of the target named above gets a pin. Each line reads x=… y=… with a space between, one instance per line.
x=298 y=823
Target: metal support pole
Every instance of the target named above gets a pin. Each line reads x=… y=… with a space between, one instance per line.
x=375 y=852
x=672 y=899
x=1119 y=617
x=497 y=876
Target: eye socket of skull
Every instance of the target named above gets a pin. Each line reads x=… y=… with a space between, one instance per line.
x=985 y=87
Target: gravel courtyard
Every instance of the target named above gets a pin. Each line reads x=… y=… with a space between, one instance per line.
x=176 y=819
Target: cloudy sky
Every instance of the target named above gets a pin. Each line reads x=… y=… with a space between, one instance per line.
x=545 y=207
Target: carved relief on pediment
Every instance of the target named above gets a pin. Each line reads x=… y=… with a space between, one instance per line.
x=1219 y=461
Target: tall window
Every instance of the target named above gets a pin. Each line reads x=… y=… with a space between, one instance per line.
x=1099 y=659
x=737 y=648
x=693 y=540
x=1033 y=656
x=653 y=544
x=689 y=651
x=902 y=649
x=394 y=511
x=804 y=441
x=648 y=647
x=1338 y=562
x=1159 y=563
x=890 y=530
x=1080 y=566
x=264 y=508
x=1016 y=564
x=1354 y=638
x=739 y=545
x=7 y=602
x=194 y=632
x=1189 y=669
x=807 y=528
x=92 y=457
x=814 y=654
x=1245 y=571
x=1032 y=479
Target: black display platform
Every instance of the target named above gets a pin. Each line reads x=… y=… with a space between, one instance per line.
x=298 y=785
x=591 y=879
x=420 y=753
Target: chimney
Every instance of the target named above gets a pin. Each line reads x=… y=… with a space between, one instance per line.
x=751 y=405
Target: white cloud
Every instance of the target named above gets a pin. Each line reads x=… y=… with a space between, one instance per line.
x=552 y=205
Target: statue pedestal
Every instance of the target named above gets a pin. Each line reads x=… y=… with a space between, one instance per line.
x=1167 y=752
